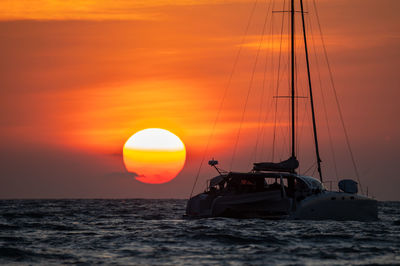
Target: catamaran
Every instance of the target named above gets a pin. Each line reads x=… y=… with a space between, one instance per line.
x=277 y=190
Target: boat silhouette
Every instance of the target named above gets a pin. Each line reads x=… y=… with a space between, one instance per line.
x=275 y=190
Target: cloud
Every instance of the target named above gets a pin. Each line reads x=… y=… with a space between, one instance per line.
x=123 y=174
x=91 y=9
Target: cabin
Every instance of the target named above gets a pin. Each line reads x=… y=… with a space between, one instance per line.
x=290 y=185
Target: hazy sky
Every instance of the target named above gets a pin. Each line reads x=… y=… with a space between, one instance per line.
x=78 y=78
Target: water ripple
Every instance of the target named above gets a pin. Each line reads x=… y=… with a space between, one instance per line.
x=154 y=232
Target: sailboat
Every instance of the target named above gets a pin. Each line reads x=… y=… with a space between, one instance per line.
x=276 y=190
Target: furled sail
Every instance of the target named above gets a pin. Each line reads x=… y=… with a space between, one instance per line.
x=288 y=165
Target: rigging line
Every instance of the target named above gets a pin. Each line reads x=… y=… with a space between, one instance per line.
x=271 y=87
x=337 y=100
x=284 y=127
x=277 y=85
x=289 y=85
x=309 y=168
x=304 y=114
x=248 y=93
x=301 y=126
x=311 y=93
x=303 y=121
x=296 y=104
x=224 y=95
x=300 y=117
x=271 y=102
x=324 y=103
x=286 y=70
x=315 y=169
x=260 y=126
x=261 y=108
x=263 y=128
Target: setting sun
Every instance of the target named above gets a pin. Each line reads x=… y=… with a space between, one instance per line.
x=154 y=155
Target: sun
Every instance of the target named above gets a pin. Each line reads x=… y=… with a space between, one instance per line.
x=154 y=155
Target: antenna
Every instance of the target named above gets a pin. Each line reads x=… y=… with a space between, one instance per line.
x=214 y=164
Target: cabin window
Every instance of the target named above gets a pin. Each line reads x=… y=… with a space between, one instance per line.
x=300 y=185
x=246 y=182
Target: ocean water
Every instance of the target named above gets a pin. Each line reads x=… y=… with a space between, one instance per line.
x=154 y=232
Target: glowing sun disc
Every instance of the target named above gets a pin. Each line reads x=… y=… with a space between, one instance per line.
x=154 y=155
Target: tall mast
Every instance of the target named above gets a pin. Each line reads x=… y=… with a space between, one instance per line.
x=292 y=78
x=311 y=95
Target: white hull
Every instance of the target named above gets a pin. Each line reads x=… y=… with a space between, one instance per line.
x=336 y=206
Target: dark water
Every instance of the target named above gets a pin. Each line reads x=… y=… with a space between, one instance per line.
x=153 y=232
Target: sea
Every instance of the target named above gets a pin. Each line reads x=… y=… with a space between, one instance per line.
x=155 y=232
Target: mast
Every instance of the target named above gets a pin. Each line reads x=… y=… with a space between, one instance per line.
x=311 y=94
x=292 y=78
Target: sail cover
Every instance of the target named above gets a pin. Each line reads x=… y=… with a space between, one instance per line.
x=288 y=165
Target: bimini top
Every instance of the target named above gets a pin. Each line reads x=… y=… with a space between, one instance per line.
x=285 y=166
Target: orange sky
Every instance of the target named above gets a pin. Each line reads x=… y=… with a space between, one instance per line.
x=77 y=78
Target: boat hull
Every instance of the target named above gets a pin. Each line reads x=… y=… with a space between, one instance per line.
x=273 y=205
x=336 y=206
x=262 y=204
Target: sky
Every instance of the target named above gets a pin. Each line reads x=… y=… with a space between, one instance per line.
x=78 y=78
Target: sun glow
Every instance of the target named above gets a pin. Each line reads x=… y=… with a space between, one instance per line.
x=154 y=155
